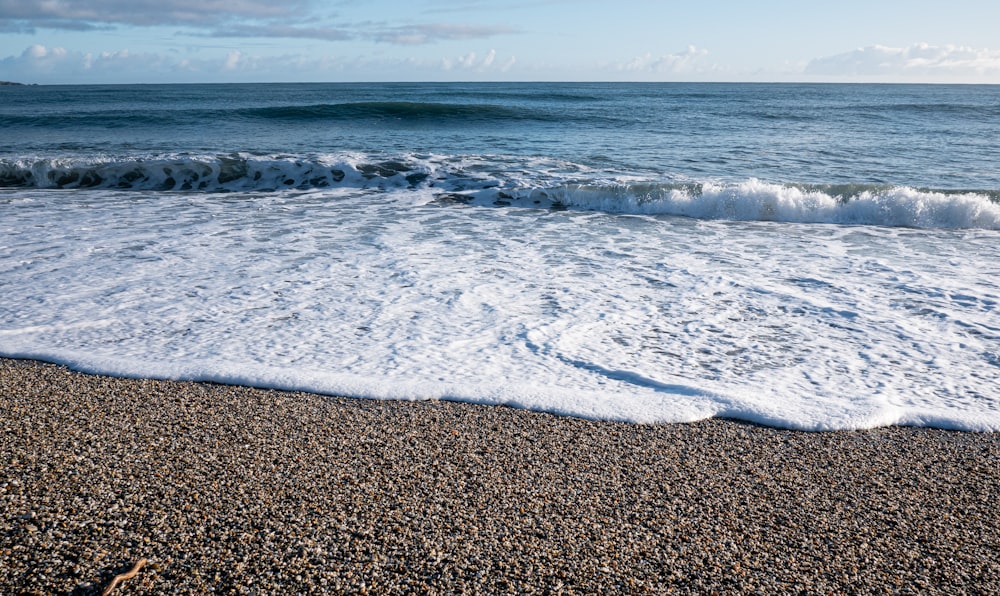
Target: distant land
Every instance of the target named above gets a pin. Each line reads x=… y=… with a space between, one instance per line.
x=9 y=83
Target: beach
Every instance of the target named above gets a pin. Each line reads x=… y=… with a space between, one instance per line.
x=229 y=489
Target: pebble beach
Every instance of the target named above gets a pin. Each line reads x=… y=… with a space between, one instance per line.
x=227 y=489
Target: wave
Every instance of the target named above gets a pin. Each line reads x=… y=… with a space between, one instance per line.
x=106 y=119
x=968 y=110
x=440 y=113
x=402 y=110
x=546 y=95
x=209 y=173
x=754 y=200
x=521 y=182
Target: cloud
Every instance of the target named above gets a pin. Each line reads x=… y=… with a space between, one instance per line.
x=290 y=19
x=39 y=63
x=466 y=6
x=285 y=31
x=670 y=63
x=42 y=64
x=77 y=14
x=919 y=62
x=471 y=61
x=30 y=28
x=224 y=18
x=403 y=35
x=433 y=32
x=233 y=60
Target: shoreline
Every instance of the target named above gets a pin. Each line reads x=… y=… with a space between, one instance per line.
x=243 y=490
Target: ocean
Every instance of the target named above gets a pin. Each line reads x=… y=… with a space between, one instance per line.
x=812 y=257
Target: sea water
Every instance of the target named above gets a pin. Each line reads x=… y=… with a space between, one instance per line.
x=802 y=256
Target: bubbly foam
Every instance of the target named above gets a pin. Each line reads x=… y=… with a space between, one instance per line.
x=754 y=200
x=395 y=293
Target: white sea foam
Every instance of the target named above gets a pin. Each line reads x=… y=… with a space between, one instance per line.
x=754 y=200
x=519 y=182
x=393 y=294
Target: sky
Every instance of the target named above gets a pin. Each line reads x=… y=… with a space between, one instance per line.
x=178 y=41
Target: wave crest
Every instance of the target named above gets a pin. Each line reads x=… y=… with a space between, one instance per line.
x=521 y=182
x=206 y=173
x=754 y=200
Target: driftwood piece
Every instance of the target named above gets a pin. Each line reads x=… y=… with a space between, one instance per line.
x=124 y=576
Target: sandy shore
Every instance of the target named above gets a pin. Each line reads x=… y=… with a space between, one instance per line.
x=236 y=490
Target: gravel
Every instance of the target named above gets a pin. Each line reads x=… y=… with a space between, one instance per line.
x=235 y=490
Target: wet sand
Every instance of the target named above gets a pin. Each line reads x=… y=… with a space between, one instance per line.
x=238 y=490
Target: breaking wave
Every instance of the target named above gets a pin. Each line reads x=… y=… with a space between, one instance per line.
x=520 y=182
x=754 y=200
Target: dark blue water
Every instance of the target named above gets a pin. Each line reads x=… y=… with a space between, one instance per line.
x=921 y=136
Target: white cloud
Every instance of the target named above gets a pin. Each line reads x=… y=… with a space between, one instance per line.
x=41 y=64
x=39 y=58
x=232 y=60
x=685 y=61
x=919 y=62
x=471 y=61
x=38 y=52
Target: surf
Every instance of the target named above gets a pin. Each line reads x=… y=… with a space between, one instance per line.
x=518 y=182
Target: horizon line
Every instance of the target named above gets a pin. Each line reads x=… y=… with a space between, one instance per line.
x=498 y=82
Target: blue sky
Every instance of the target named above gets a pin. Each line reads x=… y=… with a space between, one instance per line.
x=150 y=41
